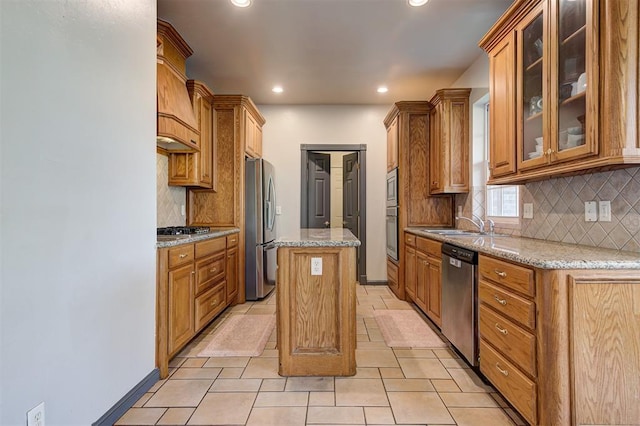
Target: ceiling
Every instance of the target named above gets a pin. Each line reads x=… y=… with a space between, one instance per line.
x=331 y=51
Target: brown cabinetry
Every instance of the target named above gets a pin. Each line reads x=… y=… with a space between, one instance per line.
x=423 y=284
x=449 y=142
x=197 y=168
x=392 y=145
x=416 y=207
x=232 y=268
x=571 y=95
x=193 y=281
x=252 y=135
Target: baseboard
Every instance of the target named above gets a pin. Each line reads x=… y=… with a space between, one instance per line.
x=385 y=282
x=127 y=401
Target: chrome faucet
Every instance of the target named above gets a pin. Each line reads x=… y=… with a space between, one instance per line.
x=480 y=225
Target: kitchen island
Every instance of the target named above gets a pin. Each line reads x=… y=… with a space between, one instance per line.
x=316 y=303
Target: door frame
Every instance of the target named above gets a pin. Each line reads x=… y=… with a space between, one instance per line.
x=361 y=149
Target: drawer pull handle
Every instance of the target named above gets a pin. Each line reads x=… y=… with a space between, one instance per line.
x=183 y=255
x=502 y=330
x=214 y=303
x=212 y=270
x=504 y=372
x=501 y=274
x=500 y=301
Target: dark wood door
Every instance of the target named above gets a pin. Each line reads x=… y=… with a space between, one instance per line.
x=319 y=190
x=350 y=193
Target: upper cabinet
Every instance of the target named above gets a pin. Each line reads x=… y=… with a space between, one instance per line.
x=563 y=88
x=197 y=169
x=392 y=145
x=449 y=142
x=253 y=123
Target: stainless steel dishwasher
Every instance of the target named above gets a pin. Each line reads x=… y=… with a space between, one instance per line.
x=460 y=300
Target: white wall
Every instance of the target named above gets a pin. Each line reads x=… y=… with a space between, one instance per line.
x=78 y=212
x=290 y=126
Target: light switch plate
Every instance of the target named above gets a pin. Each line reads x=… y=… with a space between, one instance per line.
x=316 y=266
x=590 y=211
x=278 y=209
x=528 y=211
x=604 y=208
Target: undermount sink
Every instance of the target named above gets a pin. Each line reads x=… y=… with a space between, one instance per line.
x=460 y=232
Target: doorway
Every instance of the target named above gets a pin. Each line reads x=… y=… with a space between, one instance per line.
x=335 y=173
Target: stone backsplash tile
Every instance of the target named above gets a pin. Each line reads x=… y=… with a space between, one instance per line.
x=169 y=198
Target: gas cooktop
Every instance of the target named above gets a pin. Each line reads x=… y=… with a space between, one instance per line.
x=175 y=232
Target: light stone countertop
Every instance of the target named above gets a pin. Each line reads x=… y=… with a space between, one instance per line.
x=540 y=253
x=186 y=239
x=322 y=237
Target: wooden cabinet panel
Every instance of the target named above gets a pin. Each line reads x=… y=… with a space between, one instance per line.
x=422 y=280
x=434 y=290
x=392 y=145
x=212 y=246
x=392 y=275
x=430 y=247
x=181 y=320
x=508 y=304
x=252 y=136
x=512 y=276
x=209 y=271
x=410 y=272
x=232 y=274
x=517 y=388
x=232 y=240
x=208 y=305
x=180 y=255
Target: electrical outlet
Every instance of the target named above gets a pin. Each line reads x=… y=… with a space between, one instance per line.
x=278 y=209
x=35 y=416
x=183 y=210
x=605 y=211
x=316 y=266
x=528 y=211
x=590 y=212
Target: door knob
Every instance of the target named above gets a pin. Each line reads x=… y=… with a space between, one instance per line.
x=326 y=224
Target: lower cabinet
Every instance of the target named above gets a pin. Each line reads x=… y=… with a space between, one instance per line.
x=196 y=281
x=423 y=284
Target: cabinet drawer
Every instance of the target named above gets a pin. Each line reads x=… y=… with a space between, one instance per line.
x=410 y=239
x=180 y=255
x=429 y=246
x=232 y=240
x=209 y=271
x=208 y=305
x=515 y=277
x=519 y=345
x=514 y=386
x=392 y=272
x=521 y=310
x=205 y=248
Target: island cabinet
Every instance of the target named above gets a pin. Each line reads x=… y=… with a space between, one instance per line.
x=409 y=121
x=224 y=206
x=449 y=142
x=193 y=281
x=563 y=88
x=197 y=168
x=561 y=345
x=423 y=283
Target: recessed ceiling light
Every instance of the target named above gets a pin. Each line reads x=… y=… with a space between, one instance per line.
x=417 y=3
x=241 y=3
x=277 y=89
x=382 y=89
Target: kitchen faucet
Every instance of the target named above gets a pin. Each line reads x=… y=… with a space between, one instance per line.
x=480 y=225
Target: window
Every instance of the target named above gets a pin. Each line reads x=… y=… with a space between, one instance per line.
x=502 y=201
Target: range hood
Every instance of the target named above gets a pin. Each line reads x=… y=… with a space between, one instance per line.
x=177 y=125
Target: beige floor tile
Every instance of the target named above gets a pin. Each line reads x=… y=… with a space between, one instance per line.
x=180 y=393
x=366 y=373
x=194 y=362
x=196 y=373
x=157 y=385
x=396 y=304
x=236 y=385
x=379 y=416
x=278 y=416
x=326 y=399
x=419 y=407
x=445 y=353
x=269 y=353
x=408 y=385
x=282 y=399
x=177 y=361
x=391 y=373
x=215 y=409
x=468 y=381
x=515 y=417
x=414 y=353
x=375 y=336
x=270 y=345
x=273 y=385
x=480 y=416
x=372 y=345
x=454 y=363
x=360 y=392
x=231 y=373
x=335 y=415
x=261 y=368
x=375 y=358
x=230 y=361
x=362 y=338
x=499 y=400
x=322 y=384
x=445 y=385
x=143 y=399
x=468 y=399
x=423 y=368
x=141 y=416
x=176 y=416
x=262 y=310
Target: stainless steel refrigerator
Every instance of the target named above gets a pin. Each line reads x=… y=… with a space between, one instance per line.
x=260 y=228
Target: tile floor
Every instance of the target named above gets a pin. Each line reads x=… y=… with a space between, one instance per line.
x=392 y=386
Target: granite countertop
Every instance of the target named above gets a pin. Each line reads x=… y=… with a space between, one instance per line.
x=540 y=253
x=186 y=239
x=323 y=237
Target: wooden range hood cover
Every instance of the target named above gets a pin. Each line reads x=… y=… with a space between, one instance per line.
x=177 y=125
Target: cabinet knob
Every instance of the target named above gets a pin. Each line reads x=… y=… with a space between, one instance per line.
x=501 y=330
x=504 y=372
x=193 y=272
x=213 y=303
x=212 y=270
x=500 y=301
x=183 y=255
x=501 y=274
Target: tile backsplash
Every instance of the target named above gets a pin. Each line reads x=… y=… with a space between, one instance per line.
x=170 y=199
x=558 y=209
